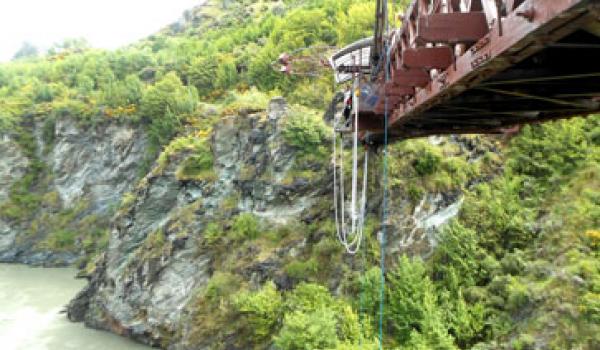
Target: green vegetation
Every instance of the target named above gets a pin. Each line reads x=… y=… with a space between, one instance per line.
x=160 y=80
x=260 y=311
x=494 y=280
x=245 y=226
x=198 y=165
x=519 y=268
x=306 y=131
x=417 y=167
x=518 y=265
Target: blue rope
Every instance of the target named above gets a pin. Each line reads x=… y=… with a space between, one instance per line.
x=361 y=314
x=384 y=207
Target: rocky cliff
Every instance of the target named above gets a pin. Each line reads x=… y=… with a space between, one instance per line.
x=60 y=182
x=244 y=200
x=260 y=211
x=226 y=240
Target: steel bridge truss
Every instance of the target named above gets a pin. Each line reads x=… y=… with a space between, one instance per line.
x=480 y=66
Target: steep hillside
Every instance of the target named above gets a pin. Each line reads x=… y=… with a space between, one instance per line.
x=198 y=203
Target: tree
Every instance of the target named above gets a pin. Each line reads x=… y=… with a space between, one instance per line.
x=165 y=104
x=308 y=330
x=70 y=44
x=260 y=311
x=458 y=264
x=27 y=50
x=412 y=310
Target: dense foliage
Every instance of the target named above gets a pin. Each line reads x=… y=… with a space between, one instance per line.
x=219 y=47
x=518 y=269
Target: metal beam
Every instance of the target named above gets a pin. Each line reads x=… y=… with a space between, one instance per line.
x=410 y=77
x=427 y=57
x=533 y=97
x=494 y=53
x=458 y=27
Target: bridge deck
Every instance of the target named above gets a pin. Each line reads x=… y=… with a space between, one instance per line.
x=481 y=66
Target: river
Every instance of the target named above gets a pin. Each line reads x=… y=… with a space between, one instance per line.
x=30 y=303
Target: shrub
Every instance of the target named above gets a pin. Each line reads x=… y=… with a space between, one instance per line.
x=198 y=166
x=252 y=100
x=496 y=211
x=165 y=104
x=221 y=285
x=213 y=233
x=412 y=308
x=245 y=227
x=303 y=331
x=201 y=74
x=302 y=270
x=458 y=254
x=427 y=163
x=549 y=151
x=260 y=311
x=60 y=240
x=524 y=342
x=307 y=297
x=590 y=306
x=121 y=93
x=306 y=131
x=518 y=295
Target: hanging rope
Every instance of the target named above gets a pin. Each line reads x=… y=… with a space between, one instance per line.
x=384 y=218
x=351 y=237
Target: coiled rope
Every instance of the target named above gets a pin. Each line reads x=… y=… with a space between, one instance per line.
x=351 y=237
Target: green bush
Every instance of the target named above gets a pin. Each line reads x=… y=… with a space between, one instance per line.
x=459 y=255
x=590 y=306
x=547 y=152
x=304 y=331
x=412 y=310
x=307 y=297
x=306 y=131
x=201 y=74
x=213 y=233
x=519 y=295
x=302 y=270
x=198 y=166
x=245 y=227
x=122 y=93
x=498 y=213
x=427 y=163
x=221 y=285
x=165 y=104
x=60 y=240
x=260 y=311
x=524 y=342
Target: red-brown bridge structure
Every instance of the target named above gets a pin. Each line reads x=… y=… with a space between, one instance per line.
x=477 y=66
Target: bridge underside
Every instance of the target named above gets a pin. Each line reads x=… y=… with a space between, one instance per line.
x=541 y=63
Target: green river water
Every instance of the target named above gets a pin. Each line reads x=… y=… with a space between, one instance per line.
x=30 y=303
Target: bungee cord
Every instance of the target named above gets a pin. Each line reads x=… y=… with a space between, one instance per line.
x=350 y=231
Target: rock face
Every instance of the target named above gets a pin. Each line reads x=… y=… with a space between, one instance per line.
x=13 y=165
x=84 y=167
x=98 y=164
x=142 y=293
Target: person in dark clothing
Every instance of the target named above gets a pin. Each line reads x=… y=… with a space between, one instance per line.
x=348 y=109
